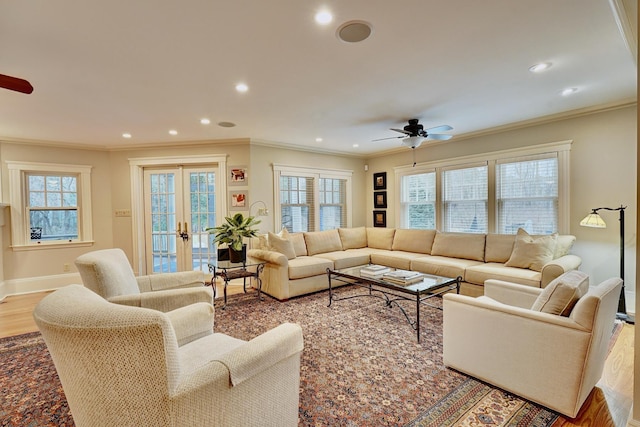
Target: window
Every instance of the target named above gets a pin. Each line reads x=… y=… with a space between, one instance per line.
x=496 y=192
x=312 y=199
x=418 y=201
x=465 y=199
x=527 y=195
x=51 y=204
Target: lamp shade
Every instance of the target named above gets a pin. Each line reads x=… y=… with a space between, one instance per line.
x=593 y=220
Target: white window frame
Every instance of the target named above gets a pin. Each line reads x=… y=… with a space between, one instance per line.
x=561 y=148
x=19 y=210
x=316 y=173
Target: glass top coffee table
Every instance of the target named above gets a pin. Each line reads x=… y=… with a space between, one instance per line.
x=425 y=288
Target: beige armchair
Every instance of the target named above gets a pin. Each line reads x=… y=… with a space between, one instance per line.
x=108 y=273
x=550 y=359
x=122 y=366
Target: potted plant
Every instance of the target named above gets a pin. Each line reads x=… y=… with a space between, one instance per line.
x=232 y=232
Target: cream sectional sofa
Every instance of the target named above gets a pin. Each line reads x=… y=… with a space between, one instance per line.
x=296 y=263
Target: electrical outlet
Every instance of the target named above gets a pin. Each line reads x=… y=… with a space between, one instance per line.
x=123 y=212
x=66 y=267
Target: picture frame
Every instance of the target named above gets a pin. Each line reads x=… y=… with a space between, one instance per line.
x=238 y=200
x=238 y=176
x=380 y=199
x=380 y=181
x=379 y=218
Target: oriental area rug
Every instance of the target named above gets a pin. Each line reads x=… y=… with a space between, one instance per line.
x=361 y=366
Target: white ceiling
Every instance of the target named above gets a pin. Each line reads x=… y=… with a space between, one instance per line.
x=101 y=68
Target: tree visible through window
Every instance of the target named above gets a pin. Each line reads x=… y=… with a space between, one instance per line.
x=52 y=207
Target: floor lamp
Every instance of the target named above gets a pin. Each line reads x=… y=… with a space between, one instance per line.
x=594 y=220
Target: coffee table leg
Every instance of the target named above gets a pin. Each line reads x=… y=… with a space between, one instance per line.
x=418 y=316
x=330 y=292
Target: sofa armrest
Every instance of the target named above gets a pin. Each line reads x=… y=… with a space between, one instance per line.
x=192 y=321
x=167 y=300
x=511 y=293
x=271 y=257
x=163 y=281
x=262 y=352
x=558 y=267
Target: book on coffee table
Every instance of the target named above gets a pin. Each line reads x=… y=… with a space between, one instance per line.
x=402 y=277
x=374 y=271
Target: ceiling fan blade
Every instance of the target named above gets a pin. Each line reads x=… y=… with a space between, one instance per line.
x=392 y=137
x=438 y=136
x=442 y=128
x=402 y=131
x=14 y=83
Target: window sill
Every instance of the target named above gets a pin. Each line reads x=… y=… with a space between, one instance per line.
x=51 y=245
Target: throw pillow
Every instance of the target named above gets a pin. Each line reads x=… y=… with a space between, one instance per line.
x=284 y=246
x=562 y=293
x=532 y=252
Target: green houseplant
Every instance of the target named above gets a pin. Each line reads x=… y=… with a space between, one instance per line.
x=232 y=232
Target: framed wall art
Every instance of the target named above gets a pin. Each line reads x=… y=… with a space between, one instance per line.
x=238 y=176
x=380 y=181
x=380 y=199
x=379 y=218
x=239 y=200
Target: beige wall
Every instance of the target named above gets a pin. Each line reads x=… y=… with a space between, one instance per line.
x=603 y=173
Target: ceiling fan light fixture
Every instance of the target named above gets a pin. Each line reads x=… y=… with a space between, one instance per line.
x=413 y=141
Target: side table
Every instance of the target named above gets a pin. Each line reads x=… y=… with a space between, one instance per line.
x=228 y=270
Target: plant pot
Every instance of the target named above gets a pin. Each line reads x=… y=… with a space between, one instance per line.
x=238 y=256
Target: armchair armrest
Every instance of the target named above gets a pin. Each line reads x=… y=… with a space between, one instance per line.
x=166 y=300
x=262 y=352
x=162 y=281
x=511 y=294
x=192 y=322
x=559 y=266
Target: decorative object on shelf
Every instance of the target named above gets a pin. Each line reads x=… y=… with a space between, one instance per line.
x=239 y=200
x=595 y=220
x=379 y=218
x=380 y=181
x=233 y=232
x=380 y=199
x=238 y=176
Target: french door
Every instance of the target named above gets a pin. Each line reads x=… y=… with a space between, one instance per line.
x=179 y=205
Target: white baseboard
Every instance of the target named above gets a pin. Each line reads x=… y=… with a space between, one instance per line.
x=37 y=284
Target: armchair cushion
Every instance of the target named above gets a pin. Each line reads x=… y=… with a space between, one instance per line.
x=561 y=294
x=532 y=252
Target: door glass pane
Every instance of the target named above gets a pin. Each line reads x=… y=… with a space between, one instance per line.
x=163 y=216
x=203 y=216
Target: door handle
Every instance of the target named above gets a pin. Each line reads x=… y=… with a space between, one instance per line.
x=184 y=234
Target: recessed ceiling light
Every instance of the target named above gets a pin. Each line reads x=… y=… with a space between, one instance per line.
x=318 y=139
x=226 y=124
x=205 y=121
x=173 y=132
x=126 y=135
x=569 y=91
x=242 y=87
x=324 y=17
x=538 y=68
x=356 y=145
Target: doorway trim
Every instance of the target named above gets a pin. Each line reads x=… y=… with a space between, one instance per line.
x=136 y=167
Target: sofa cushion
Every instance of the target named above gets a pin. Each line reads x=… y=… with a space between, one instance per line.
x=442 y=266
x=562 y=293
x=348 y=258
x=353 y=238
x=380 y=238
x=459 y=245
x=299 y=245
x=499 y=247
x=322 y=241
x=563 y=245
x=395 y=259
x=532 y=252
x=282 y=245
x=478 y=274
x=418 y=241
x=308 y=266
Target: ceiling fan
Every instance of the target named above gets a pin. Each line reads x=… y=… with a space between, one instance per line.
x=414 y=134
x=15 y=83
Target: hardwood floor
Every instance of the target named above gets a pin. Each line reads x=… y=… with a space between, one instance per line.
x=607 y=406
